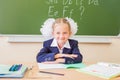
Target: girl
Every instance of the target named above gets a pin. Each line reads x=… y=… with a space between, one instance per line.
x=60 y=49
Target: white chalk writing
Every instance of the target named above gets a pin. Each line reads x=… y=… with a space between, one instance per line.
x=94 y=2
x=68 y=8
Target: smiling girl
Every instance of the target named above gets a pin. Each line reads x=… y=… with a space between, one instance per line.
x=60 y=49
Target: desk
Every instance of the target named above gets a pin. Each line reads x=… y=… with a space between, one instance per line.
x=69 y=74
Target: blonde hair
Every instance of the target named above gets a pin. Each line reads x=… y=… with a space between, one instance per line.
x=61 y=20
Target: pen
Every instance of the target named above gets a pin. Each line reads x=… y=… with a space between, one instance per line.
x=52 y=73
x=12 y=68
x=18 y=67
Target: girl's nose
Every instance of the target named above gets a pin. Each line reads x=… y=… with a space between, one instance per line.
x=61 y=36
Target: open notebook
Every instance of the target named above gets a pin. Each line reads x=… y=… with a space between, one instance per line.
x=53 y=66
x=4 y=71
x=103 y=70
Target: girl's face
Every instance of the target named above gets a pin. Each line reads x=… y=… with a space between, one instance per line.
x=61 y=32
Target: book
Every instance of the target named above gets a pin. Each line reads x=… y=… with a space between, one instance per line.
x=53 y=66
x=102 y=69
x=5 y=71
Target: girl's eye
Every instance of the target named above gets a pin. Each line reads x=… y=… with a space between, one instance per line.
x=58 y=33
x=65 y=33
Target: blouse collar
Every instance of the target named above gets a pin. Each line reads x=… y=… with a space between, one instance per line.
x=54 y=44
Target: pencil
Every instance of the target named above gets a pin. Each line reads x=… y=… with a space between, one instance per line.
x=52 y=73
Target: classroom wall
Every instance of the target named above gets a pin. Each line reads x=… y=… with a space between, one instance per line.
x=26 y=52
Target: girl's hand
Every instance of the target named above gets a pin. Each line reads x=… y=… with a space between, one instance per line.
x=73 y=56
x=59 y=55
x=60 y=60
x=70 y=55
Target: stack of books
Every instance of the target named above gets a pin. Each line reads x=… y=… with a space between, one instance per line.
x=16 y=70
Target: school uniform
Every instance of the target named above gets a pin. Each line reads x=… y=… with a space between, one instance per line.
x=50 y=48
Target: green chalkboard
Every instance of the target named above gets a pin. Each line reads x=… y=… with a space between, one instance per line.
x=94 y=17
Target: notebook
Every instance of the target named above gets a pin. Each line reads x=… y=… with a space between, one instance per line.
x=4 y=71
x=53 y=66
x=103 y=70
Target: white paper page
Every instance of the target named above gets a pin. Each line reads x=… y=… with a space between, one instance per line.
x=50 y=66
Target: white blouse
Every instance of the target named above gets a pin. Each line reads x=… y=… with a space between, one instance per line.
x=54 y=44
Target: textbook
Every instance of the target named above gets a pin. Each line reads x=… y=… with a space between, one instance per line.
x=102 y=69
x=53 y=66
x=12 y=71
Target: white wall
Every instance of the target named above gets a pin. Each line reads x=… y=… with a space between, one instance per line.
x=27 y=51
x=102 y=52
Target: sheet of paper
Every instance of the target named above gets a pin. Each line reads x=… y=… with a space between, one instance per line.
x=50 y=66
